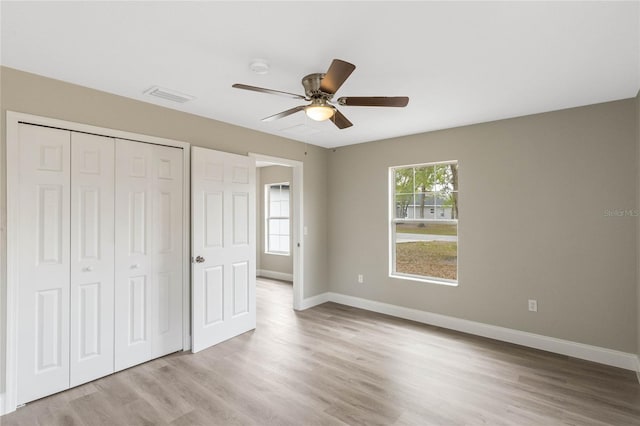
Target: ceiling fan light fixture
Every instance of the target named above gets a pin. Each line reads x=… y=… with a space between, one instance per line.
x=319 y=112
x=319 y=88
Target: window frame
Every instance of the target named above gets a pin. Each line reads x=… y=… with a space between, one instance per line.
x=392 y=221
x=267 y=217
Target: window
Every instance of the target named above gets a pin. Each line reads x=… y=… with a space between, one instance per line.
x=277 y=218
x=424 y=222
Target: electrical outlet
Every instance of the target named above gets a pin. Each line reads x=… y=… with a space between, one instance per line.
x=360 y=278
x=533 y=305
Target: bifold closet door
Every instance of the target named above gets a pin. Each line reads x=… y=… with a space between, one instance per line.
x=92 y=252
x=99 y=257
x=148 y=291
x=43 y=265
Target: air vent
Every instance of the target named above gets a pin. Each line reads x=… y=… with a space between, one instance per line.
x=170 y=95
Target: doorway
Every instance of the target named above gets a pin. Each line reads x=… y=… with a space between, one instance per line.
x=296 y=217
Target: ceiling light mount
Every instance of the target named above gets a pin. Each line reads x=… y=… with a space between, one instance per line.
x=259 y=66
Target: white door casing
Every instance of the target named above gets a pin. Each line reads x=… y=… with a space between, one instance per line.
x=92 y=252
x=223 y=246
x=43 y=262
x=298 y=227
x=148 y=279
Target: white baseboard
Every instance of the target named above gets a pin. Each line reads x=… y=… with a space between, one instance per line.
x=3 y=409
x=312 y=301
x=274 y=275
x=638 y=368
x=597 y=354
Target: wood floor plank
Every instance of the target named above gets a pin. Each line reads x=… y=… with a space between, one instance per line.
x=139 y=412
x=161 y=396
x=337 y=365
x=98 y=409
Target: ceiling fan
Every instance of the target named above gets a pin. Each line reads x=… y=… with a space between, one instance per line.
x=319 y=90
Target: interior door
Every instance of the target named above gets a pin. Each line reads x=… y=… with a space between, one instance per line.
x=223 y=246
x=148 y=288
x=43 y=269
x=92 y=251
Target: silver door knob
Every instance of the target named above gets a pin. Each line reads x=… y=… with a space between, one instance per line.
x=199 y=259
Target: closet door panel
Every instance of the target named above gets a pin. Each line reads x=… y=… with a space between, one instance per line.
x=43 y=282
x=166 y=183
x=92 y=257
x=133 y=266
x=149 y=220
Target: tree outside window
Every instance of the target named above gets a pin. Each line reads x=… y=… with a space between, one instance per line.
x=424 y=223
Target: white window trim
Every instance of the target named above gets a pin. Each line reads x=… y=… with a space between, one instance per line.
x=392 y=230
x=267 y=202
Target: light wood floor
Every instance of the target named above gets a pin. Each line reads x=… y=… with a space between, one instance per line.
x=334 y=365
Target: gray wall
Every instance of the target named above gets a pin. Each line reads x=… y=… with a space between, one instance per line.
x=638 y=206
x=273 y=262
x=29 y=93
x=579 y=264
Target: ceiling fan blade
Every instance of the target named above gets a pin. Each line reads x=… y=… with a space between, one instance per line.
x=338 y=72
x=271 y=91
x=284 y=113
x=340 y=120
x=374 y=101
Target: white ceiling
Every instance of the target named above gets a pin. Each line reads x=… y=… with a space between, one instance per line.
x=459 y=62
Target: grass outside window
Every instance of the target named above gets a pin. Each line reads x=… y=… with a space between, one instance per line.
x=424 y=222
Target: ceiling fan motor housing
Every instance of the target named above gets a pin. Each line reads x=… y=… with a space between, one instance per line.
x=311 y=84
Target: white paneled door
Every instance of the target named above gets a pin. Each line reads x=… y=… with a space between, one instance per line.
x=148 y=273
x=92 y=236
x=43 y=288
x=223 y=246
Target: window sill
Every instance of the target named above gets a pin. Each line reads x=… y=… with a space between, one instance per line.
x=277 y=254
x=449 y=283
